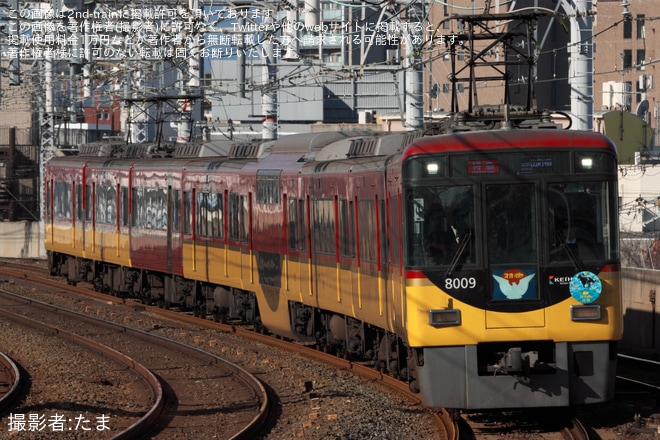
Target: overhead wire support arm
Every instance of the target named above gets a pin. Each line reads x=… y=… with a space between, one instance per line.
x=517 y=47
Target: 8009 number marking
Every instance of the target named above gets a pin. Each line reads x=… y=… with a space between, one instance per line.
x=460 y=283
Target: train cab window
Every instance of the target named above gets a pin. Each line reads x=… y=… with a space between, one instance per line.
x=581 y=222
x=440 y=222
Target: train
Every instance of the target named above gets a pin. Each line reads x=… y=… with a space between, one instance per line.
x=478 y=264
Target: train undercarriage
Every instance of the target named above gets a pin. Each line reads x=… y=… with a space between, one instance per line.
x=330 y=332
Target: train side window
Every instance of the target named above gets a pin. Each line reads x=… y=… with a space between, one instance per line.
x=323 y=229
x=215 y=206
x=245 y=224
x=156 y=212
x=292 y=216
x=234 y=215
x=111 y=215
x=344 y=227
x=209 y=214
x=100 y=204
x=124 y=206
x=367 y=228
x=88 y=203
x=268 y=186
x=187 y=212
x=202 y=214
x=302 y=223
x=79 y=202
x=62 y=205
x=176 y=211
x=137 y=207
x=49 y=211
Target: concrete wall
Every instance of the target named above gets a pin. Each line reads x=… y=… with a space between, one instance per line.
x=641 y=325
x=21 y=240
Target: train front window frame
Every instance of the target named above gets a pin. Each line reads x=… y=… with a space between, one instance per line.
x=441 y=225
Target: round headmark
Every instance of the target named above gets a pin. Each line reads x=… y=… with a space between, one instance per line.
x=585 y=287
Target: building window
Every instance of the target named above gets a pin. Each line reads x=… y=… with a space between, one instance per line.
x=641 y=31
x=627 y=29
x=641 y=55
x=627 y=58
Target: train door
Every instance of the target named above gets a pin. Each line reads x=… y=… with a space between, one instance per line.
x=245 y=219
x=298 y=278
x=48 y=221
x=346 y=250
x=170 y=216
x=324 y=246
x=512 y=231
x=357 y=294
x=87 y=213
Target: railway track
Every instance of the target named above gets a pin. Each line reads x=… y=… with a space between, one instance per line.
x=11 y=382
x=183 y=380
x=546 y=424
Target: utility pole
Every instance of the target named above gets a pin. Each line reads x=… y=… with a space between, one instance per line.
x=269 y=85
x=580 y=70
x=414 y=72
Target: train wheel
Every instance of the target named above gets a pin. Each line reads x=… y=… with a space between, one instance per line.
x=413 y=386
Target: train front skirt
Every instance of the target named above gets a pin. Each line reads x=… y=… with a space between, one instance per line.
x=455 y=377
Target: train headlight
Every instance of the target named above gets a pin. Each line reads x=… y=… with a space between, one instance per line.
x=442 y=318
x=589 y=312
x=432 y=168
x=587 y=163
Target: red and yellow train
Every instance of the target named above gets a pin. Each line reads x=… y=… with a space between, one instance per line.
x=480 y=266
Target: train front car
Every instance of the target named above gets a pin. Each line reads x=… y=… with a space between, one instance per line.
x=512 y=268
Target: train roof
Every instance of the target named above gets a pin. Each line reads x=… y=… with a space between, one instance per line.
x=474 y=141
x=309 y=147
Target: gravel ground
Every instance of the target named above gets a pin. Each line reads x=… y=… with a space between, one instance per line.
x=63 y=379
x=314 y=401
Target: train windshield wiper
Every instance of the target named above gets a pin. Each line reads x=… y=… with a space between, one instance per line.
x=459 y=252
x=577 y=262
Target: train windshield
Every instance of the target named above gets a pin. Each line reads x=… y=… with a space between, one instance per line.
x=522 y=225
x=441 y=225
x=511 y=223
x=581 y=222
